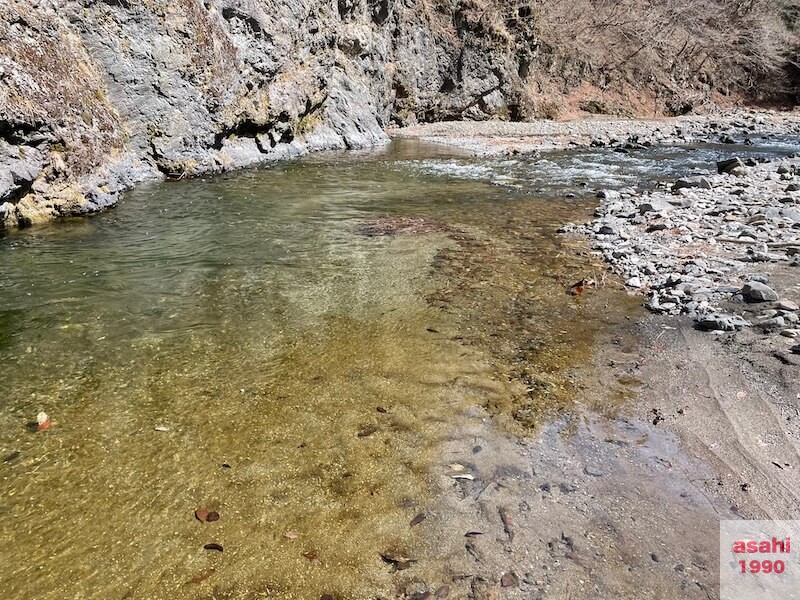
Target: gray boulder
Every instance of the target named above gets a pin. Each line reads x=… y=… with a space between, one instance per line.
x=758 y=292
x=691 y=182
x=729 y=165
x=654 y=205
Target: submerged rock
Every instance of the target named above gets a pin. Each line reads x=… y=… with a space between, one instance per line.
x=402 y=226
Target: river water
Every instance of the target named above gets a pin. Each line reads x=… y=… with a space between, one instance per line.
x=238 y=344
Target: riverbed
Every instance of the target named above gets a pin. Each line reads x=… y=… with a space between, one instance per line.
x=244 y=345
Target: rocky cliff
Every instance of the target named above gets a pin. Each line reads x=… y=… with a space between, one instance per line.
x=96 y=95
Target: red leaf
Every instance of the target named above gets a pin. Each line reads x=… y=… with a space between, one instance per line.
x=509 y=580
x=198 y=579
x=201 y=514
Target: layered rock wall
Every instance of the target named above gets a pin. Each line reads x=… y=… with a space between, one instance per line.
x=96 y=95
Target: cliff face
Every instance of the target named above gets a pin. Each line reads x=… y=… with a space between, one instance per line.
x=96 y=95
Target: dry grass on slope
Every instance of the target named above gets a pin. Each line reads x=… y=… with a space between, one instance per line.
x=687 y=48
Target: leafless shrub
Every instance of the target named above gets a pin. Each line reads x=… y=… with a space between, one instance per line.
x=726 y=45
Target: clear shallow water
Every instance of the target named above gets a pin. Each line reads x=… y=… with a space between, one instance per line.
x=247 y=316
x=586 y=170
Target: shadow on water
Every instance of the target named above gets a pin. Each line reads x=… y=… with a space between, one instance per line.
x=235 y=344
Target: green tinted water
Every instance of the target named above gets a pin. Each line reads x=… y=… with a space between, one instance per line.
x=226 y=343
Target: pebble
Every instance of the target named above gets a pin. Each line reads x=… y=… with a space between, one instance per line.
x=773 y=324
x=691 y=182
x=787 y=305
x=634 y=282
x=690 y=248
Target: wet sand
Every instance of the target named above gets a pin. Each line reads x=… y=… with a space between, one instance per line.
x=621 y=503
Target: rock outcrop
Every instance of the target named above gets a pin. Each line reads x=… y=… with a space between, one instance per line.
x=96 y=95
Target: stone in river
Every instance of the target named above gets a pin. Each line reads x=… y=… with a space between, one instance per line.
x=727 y=166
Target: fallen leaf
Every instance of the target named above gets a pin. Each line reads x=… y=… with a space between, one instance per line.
x=291 y=535
x=473 y=550
x=13 y=456
x=418 y=519
x=310 y=555
x=456 y=467
x=216 y=547
x=198 y=579
x=201 y=514
x=509 y=580
x=367 y=431
x=506 y=519
x=398 y=561
x=206 y=516
x=473 y=533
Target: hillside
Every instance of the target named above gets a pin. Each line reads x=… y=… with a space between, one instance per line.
x=96 y=95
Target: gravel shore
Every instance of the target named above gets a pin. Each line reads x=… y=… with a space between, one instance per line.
x=486 y=138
